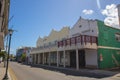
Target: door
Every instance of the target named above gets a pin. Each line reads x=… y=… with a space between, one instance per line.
x=81 y=54
x=73 y=59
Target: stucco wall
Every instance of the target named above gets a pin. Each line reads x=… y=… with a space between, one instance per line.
x=119 y=13
x=84 y=27
x=53 y=36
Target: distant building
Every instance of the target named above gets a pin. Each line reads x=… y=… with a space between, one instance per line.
x=4 y=16
x=23 y=50
x=89 y=43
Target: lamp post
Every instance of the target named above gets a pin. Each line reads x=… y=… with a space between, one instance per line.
x=10 y=31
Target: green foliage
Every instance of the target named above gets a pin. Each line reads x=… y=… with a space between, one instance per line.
x=3 y=54
x=23 y=57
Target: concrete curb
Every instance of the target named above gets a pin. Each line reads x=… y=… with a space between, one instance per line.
x=9 y=75
x=12 y=74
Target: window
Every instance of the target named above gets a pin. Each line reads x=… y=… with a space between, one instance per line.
x=80 y=26
x=117 y=36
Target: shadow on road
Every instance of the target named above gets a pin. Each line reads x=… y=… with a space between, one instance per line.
x=73 y=72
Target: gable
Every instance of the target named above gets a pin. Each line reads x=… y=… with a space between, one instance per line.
x=84 y=27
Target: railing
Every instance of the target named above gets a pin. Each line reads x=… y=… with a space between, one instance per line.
x=79 y=39
x=82 y=39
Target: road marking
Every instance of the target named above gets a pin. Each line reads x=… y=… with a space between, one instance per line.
x=12 y=74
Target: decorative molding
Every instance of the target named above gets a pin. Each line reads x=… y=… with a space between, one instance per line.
x=106 y=47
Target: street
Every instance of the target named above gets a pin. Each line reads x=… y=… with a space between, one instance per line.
x=24 y=72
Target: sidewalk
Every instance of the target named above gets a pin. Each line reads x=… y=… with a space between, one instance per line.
x=2 y=71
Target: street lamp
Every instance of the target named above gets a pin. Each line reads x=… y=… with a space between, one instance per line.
x=10 y=31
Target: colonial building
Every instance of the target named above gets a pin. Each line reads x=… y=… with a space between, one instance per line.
x=4 y=15
x=89 y=43
x=46 y=49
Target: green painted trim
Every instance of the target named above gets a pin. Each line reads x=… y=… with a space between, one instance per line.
x=106 y=47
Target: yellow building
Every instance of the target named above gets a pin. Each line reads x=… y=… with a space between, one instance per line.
x=46 y=48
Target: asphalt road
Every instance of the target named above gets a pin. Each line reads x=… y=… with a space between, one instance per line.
x=25 y=72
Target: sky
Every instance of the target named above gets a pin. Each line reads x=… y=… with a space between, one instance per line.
x=36 y=18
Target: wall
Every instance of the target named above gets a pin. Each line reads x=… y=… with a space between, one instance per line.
x=91 y=58
x=119 y=13
x=108 y=46
x=39 y=42
x=53 y=36
x=110 y=58
x=84 y=27
x=3 y=24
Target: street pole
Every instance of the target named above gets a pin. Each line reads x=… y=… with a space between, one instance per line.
x=6 y=73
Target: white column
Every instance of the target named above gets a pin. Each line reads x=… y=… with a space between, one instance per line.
x=64 y=58
x=43 y=58
x=57 y=59
x=49 y=62
x=77 y=60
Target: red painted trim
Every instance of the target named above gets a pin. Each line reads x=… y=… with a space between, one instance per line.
x=58 y=44
x=81 y=39
x=91 y=40
x=75 y=40
x=85 y=39
x=70 y=41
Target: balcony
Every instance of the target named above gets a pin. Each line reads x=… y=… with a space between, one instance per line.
x=82 y=41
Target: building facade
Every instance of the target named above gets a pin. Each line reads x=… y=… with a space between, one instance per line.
x=23 y=52
x=108 y=46
x=4 y=16
x=47 y=47
x=89 y=43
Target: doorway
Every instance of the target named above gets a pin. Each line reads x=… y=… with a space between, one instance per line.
x=81 y=54
x=73 y=59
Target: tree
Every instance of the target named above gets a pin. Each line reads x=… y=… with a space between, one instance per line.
x=23 y=57
x=3 y=54
x=11 y=56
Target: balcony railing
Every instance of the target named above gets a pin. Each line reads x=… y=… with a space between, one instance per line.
x=82 y=39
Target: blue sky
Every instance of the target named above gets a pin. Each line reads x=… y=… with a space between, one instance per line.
x=34 y=18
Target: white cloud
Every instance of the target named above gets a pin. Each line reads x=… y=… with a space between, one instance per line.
x=87 y=12
x=98 y=4
x=111 y=14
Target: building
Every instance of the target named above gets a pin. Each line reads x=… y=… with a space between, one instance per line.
x=19 y=53
x=4 y=17
x=28 y=57
x=80 y=49
x=47 y=47
x=89 y=43
x=23 y=50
